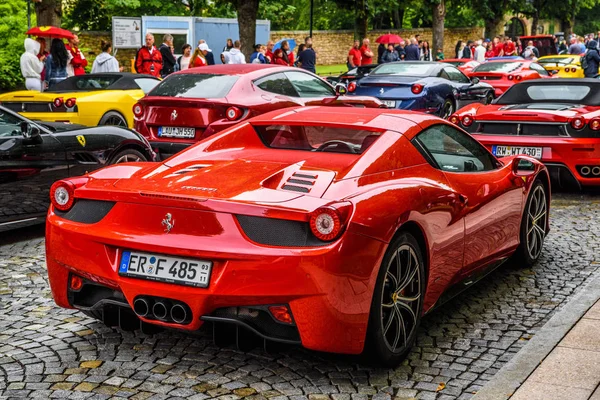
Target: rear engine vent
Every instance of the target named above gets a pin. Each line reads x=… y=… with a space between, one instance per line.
x=86 y=211
x=191 y=169
x=300 y=182
x=278 y=232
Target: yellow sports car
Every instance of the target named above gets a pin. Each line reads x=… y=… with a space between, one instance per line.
x=565 y=65
x=90 y=100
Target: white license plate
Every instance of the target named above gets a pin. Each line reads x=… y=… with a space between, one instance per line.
x=504 y=151
x=161 y=268
x=389 y=103
x=177 y=132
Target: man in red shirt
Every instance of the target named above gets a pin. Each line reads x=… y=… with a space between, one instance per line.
x=78 y=62
x=509 y=47
x=148 y=59
x=498 y=47
x=366 y=53
x=269 y=53
x=354 y=56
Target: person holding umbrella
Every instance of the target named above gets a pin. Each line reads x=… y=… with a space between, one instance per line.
x=56 y=63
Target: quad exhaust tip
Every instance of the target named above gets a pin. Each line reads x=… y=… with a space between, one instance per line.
x=585 y=170
x=141 y=307
x=596 y=171
x=162 y=309
x=178 y=314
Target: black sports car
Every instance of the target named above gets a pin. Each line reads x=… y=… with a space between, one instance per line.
x=35 y=154
x=352 y=75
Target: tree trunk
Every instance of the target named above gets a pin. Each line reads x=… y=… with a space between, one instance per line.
x=48 y=12
x=247 y=12
x=535 y=19
x=494 y=27
x=362 y=19
x=439 y=14
x=398 y=14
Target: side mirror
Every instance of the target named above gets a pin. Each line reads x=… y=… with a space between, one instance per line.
x=340 y=89
x=474 y=80
x=29 y=131
x=522 y=167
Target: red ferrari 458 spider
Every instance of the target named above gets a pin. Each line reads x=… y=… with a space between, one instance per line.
x=464 y=64
x=502 y=74
x=320 y=226
x=556 y=121
x=193 y=104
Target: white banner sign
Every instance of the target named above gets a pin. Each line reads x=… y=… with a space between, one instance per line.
x=127 y=33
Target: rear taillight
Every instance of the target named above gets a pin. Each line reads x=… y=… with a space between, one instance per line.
x=58 y=102
x=62 y=193
x=138 y=110
x=281 y=314
x=351 y=87
x=467 y=120
x=518 y=77
x=594 y=124
x=454 y=119
x=567 y=69
x=233 y=113
x=327 y=223
x=577 y=123
x=510 y=77
x=416 y=88
x=70 y=103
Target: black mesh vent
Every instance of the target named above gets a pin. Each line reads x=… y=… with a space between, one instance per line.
x=86 y=211
x=307 y=176
x=296 y=188
x=300 y=182
x=260 y=320
x=278 y=232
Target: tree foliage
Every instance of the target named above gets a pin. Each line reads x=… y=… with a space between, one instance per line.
x=12 y=37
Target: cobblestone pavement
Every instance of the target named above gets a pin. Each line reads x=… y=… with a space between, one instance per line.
x=47 y=352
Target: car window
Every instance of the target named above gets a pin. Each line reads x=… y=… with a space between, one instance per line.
x=195 y=86
x=455 y=75
x=146 y=84
x=451 y=150
x=309 y=86
x=538 y=68
x=497 y=66
x=406 y=69
x=10 y=125
x=276 y=83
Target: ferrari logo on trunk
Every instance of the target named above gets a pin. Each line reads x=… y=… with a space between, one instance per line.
x=381 y=90
x=174 y=115
x=168 y=223
x=81 y=140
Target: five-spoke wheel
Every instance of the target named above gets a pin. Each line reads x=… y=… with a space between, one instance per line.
x=534 y=226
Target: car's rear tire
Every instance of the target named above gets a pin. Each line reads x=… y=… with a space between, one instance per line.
x=489 y=97
x=397 y=302
x=447 y=108
x=113 y=118
x=533 y=226
x=128 y=155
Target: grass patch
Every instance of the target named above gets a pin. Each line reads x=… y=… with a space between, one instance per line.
x=333 y=70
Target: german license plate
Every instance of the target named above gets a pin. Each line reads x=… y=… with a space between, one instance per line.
x=161 y=268
x=176 y=132
x=389 y=103
x=504 y=151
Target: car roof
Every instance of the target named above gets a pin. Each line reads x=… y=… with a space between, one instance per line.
x=559 y=56
x=252 y=70
x=124 y=81
x=351 y=117
x=518 y=93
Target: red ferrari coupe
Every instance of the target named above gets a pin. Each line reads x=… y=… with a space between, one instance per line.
x=502 y=74
x=318 y=226
x=464 y=64
x=191 y=105
x=556 y=121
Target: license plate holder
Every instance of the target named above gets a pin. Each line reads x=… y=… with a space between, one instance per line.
x=176 y=132
x=510 y=150
x=164 y=268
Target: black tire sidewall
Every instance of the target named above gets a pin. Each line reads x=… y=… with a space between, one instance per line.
x=375 y=348
x=111 y=114
x=121 y=153
x=451 y=103
x=522 y=254
x=490 y=97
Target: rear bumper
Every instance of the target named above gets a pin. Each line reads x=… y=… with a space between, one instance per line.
x=560 y=154
x=68 y=117
x=328 y=289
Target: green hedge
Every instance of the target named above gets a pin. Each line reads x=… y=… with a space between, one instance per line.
x=13 y=15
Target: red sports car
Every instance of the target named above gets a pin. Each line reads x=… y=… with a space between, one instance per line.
x=318 y=226
x=191 y=105
x=502 y=74
x=556 y=121
x=464 y=64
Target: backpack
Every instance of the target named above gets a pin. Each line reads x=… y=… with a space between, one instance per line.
x=584 y=62
x=528 y=53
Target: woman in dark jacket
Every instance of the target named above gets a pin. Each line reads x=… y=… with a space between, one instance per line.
x=592 y=59
x=56 y=63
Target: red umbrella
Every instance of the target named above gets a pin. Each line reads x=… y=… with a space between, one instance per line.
x=51 y=31
x=389 y=38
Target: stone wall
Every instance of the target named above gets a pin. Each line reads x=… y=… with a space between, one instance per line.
x=333 y=46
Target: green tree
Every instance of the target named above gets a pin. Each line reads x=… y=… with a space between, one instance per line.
x=48 y=12
x=12 y=36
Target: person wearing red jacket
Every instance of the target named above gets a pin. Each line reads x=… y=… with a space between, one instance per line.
x=278 y=58
x=148 y=59
x=78 y=62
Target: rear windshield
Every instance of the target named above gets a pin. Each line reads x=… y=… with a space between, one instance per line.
x=406 y=69
x=498 y=67
x=558 y=92
x=557 y=60
x=316 y=138
x=196 y=86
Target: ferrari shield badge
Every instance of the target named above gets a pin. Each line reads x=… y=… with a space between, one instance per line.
x=81 y=140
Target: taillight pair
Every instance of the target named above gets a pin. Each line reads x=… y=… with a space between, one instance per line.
x=62 y=193
x=578 y=123
x=232 y=113
x=466 y=120
x=515 y=77
x=327 y=223
x=69 y=103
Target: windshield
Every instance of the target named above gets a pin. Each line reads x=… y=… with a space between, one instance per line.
x=558 y=92
x=498 y=67
x=557 y=60
x=316 y=138
x=196 y=86
x=406 y=69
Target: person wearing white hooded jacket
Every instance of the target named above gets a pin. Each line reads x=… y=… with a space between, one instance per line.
x=105 y=62
x=235 y=54
x=31 y=66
